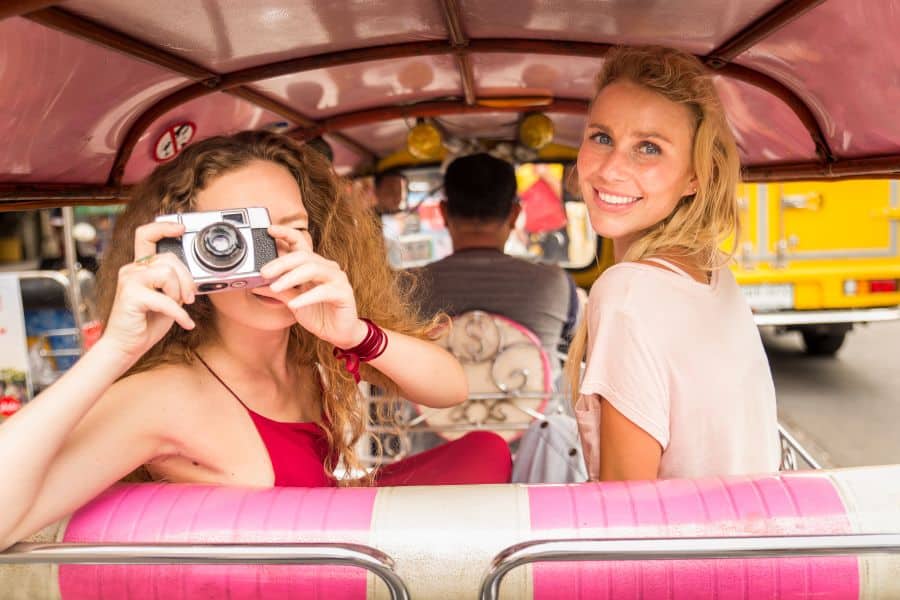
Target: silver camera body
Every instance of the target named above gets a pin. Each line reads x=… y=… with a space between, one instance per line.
x=223 y=249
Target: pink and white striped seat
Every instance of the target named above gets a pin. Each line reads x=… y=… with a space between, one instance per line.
x=442 y=539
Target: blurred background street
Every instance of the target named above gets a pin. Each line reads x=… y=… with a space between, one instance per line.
x=845 y=410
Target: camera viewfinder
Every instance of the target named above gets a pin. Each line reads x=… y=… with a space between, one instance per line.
x=235 y=217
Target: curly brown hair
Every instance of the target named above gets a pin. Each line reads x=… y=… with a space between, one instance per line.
x=342 y=230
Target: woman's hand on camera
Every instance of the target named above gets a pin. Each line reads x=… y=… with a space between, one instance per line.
x=315 y=289
x=150 y=293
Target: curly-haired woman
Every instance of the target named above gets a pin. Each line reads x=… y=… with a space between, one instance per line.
x=251 y=387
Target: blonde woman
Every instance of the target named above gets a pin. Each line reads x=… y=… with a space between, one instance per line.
x=242 y=387
x=676 y=382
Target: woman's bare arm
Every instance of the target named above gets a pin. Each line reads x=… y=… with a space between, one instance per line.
x=319 y=294
x=627 y=452
x=426 y=373
x=66 y=446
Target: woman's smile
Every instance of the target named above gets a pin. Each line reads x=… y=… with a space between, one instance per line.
x=612 y=202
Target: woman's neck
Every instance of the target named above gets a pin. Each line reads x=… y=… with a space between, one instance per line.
x=620 y=247
x=254 y=350
x=691 y=263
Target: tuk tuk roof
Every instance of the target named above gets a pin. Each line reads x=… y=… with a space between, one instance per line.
x=89 y=87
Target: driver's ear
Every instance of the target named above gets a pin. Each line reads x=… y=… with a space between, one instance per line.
x=514 y=214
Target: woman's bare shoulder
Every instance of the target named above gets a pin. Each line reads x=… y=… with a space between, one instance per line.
x=160 y=385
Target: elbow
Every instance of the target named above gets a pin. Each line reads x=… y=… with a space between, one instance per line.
x=450 y=389
x=453 y=388
x=459 y=391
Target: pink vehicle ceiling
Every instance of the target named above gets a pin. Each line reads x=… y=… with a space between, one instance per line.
x=95 y=93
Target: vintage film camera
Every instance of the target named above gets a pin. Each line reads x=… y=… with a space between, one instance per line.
x=223 y=249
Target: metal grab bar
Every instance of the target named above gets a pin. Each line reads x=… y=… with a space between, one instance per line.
x=562 y=550
x=355 y=555
x=790 y=447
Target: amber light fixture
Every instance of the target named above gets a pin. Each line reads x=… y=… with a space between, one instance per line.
x=424 y=141
x=536 y=130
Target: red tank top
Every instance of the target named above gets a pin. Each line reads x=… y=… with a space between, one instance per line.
x=297 y=451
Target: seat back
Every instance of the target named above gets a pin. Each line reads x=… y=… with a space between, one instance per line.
x=508 y=372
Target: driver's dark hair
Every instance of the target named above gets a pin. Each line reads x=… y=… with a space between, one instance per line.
x=480 y=187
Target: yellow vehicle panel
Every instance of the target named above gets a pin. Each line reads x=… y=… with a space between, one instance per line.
x=841 y=218
x=817 y=236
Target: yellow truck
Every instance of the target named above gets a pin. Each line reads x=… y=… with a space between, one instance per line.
x=820 y=257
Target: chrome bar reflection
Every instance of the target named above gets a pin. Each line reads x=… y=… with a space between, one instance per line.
x=562 y=550
x=73 y=290
x=820 y=317
x=354 y=555
x=787 y=439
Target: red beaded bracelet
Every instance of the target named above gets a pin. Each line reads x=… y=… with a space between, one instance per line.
x=372 y=346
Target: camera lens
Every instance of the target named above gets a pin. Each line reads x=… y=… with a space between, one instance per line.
x=220 y=247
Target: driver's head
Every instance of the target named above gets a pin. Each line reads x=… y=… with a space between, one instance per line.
x=480 y=187
x=390 y=192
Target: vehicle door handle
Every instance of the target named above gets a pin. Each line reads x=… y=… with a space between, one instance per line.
x=891 y=214
x=802 y=201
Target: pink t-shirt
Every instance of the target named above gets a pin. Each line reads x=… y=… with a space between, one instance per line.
x=684 y=361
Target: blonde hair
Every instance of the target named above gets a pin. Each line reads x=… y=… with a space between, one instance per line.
x=342 y=229
x=702 y=221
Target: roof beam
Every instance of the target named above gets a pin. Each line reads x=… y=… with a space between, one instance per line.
x=454 y=21
x=101 y=35
x=84 y=28
x=14 y=8
x=431 y=109
x=283 y=110
x=258 y=73
x=459 y=40
x=271 y=105
x=369 y=157
x=333 y=59
x=466 y=77
x=882 y=167
x=758 y=30
x=144 y=121
x=786 y=95
x=405 y=50
x=26 y=196
x=720 y=59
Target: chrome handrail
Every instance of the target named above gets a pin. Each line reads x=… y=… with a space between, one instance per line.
x=355 y=555
x=71 y=256
x=562 y=550
x=794 y=446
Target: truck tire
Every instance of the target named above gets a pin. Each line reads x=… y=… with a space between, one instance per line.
x=823 y=343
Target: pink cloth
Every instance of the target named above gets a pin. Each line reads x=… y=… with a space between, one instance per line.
x=544 y=211
x=684 y=361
